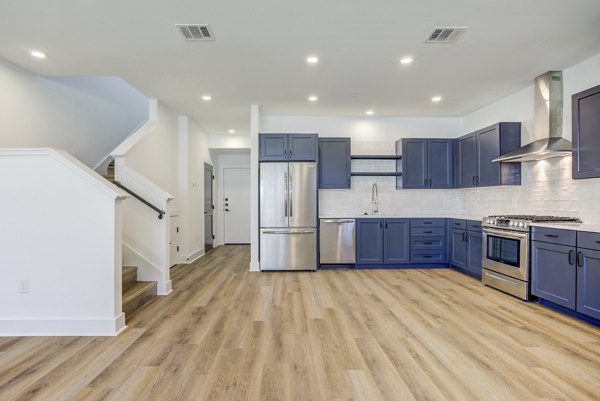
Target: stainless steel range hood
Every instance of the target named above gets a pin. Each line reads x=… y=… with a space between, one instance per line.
x=547 y=123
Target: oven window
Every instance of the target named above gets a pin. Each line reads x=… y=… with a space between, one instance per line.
x=504 y=250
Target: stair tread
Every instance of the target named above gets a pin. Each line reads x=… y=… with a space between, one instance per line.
x=137 y=289
x=137 y=296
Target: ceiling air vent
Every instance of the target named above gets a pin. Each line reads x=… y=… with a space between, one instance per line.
x=196 y=32
x=445 y=34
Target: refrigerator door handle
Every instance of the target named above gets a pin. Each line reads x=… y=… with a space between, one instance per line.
x=288 y=232
x=285 y=200
x=291 y=195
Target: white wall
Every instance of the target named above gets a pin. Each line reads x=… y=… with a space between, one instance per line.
x=375 y=136
x=86 y=116
x=547 y=186
x=61 y=231
x=229 y=141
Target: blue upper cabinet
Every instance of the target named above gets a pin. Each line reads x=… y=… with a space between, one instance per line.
x=302 y=147
x=334 y=163
x=475 y=152
x=414 y=163
x=427 y=163
x=287 y=147
x=586 y=133
x=273 y=147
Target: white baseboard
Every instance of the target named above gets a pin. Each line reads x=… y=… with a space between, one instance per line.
x=254 y=266
x=164 y=288
x=28 y=327
x=194 y=256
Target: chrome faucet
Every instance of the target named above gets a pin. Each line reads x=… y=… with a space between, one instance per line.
x=374 y=199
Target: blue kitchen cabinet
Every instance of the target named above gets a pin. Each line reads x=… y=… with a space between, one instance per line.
x=334 y=163
x=466 y=243
x=382 y=241
x=474 y=252
x=588 y=274
x=302 y=147
x=428 y=238
x=369 y=241
x=287 y=147
x=553 y=273
x=273 y=147
x=396 y=241
x=427 y=163
x=586 y=133
x=458 y=248
x=475 y=152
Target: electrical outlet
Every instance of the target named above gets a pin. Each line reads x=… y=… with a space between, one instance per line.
x=23 y=285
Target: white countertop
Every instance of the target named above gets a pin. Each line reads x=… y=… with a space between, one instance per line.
x=570 y=226
x=403 y=216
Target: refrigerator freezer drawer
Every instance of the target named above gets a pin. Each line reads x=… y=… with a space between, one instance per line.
x=288 y=249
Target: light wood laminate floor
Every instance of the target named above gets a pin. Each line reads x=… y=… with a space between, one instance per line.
x=228 y=334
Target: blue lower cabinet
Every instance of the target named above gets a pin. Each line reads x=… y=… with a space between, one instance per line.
x=369 y=241
x=396 y=242
x=429 y=256
x=588 y=282
x=458 y=248
x=474 y=255
x=553 y=273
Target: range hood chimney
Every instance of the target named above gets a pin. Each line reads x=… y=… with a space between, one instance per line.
x=547 y=123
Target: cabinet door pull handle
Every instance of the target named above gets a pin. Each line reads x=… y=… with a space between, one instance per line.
x=428 y=222
x=386 y=225
x=430 y=183
x=427 y=243
x=427 y=256
x=571 y=257
x=464 y=236
x=579 y=259
x=428 y=232
x=457 y=224
x=473 y=180
x=425 y=183
x=551 y=235
x=597 y=242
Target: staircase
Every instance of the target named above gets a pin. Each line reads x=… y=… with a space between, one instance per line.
x=136 y=294
x=110 y=172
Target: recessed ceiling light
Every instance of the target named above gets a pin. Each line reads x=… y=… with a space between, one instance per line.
x=406 y=60
x=436 y=99
x=312 y=59
x=370 y=112
x=231 y=131
x=206 y=98
x=313 y=98
x=38 y=54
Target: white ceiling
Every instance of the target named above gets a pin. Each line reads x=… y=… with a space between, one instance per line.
x=259 y=53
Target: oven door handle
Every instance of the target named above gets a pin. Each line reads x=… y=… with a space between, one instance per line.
x=506 y=234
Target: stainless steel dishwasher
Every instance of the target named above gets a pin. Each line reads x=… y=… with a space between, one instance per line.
x=337 y=243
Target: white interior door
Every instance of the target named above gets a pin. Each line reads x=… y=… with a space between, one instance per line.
x=236 y=205
x=174 y=240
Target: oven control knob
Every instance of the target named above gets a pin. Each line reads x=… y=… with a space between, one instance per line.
x=522 y=224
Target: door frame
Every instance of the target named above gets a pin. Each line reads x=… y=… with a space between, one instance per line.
x=210 y=168
x=221 y=190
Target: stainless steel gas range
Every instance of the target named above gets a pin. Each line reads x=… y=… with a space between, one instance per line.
x=506 y=251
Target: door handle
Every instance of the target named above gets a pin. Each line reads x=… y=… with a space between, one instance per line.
x=291 y=194
x=430 y=183
x=464 y=236
x=473 y=180
x=571 y=257
x=551 y=235
x=285 y=198
x=386 y=225
x=579 y=259
x=425 y=183
x=428 y=232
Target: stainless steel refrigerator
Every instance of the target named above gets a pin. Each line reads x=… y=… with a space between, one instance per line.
x=288 y=216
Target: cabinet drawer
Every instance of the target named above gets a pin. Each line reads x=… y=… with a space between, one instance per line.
x=428 y=232
x=588 y=240
x=554 y=236
x=427 y=223
x=428 y=257
x=473 y=225
x=420 y=243
x=458 y=223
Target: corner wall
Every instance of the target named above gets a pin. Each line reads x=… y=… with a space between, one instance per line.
x=86 y=116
